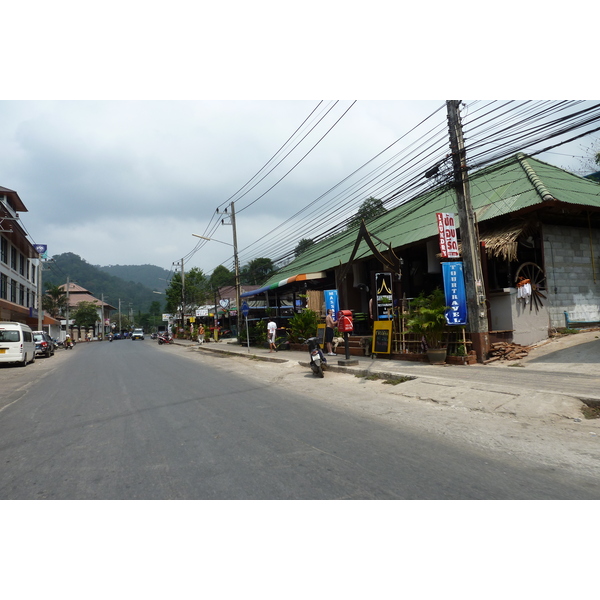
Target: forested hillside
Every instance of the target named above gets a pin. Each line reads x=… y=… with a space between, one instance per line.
x=151 y=276
x=99 y=282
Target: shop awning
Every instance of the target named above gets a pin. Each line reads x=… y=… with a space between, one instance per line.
x=287 y=281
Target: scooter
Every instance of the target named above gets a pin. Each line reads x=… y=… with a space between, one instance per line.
x=317 y=358
x=69 y=344
x=164 y=339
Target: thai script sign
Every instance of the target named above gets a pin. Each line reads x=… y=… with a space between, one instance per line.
x=448 y=238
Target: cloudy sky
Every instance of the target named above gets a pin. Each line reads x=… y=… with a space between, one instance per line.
x=122 y=136
x=129 y=182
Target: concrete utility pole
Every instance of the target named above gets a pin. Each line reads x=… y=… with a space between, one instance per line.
x=67 y=309
x=475 y=292
x=236 y=263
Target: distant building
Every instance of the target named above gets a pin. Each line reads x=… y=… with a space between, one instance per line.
x=77 y=294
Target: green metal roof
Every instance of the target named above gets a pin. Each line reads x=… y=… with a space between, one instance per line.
x=500 y=189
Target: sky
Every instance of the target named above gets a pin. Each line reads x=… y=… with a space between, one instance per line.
x=123 y=136
x=130 y=182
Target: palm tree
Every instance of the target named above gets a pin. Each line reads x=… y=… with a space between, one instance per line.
x=54 y=301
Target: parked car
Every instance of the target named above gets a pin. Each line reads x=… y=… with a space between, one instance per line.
x=44 y=346
x=138 y=334
x=16 y=343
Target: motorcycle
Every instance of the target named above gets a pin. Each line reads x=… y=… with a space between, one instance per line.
x=164 y=339
x=69 y=344
x=317 y=358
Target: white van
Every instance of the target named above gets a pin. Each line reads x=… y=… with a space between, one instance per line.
x=16 y=343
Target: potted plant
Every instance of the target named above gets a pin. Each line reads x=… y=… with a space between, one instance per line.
x=427 y=317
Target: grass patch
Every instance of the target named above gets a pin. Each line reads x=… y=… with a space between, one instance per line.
x=384 y=378
x=591 y=412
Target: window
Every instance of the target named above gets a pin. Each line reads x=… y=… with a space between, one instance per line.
x=13 y=258
x=3 y=286
x=21 y=294
x=13 y=291
x=10 y=335
x=21 y=264
x=4 y=250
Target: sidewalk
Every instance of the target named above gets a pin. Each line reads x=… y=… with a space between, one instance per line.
x=555 y=379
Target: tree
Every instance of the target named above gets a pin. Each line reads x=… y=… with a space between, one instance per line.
x=221 y=277
x=86 y=314
x=302 y=246
x=591 y=159
x=257 y=271
x=195 y=291
x=369 y=209
x=54 y=301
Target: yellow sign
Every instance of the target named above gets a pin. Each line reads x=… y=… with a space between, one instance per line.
x=382 y=337
x=321 y=334
x=192 y=319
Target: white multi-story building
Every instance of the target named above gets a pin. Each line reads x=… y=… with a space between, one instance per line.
x=19 y=262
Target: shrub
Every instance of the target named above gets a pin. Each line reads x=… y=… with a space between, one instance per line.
x=302 y=326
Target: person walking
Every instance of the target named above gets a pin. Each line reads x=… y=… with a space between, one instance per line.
x=330 y=324
x=271 y=333
x=201 y=334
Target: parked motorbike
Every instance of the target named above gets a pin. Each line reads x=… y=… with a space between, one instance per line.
x=164 y=339
x=317 y=358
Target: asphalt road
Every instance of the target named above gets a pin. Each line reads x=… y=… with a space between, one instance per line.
x=132 y=420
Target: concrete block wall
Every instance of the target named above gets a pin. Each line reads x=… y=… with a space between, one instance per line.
x=573 y=283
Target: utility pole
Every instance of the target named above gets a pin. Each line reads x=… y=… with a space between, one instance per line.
x=182 y=293
x=67 y=310
x=236 y=263
x=39 y=294
x=476 y=308
x=102 y=326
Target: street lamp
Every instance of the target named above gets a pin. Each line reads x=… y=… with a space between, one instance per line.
x=235 y=262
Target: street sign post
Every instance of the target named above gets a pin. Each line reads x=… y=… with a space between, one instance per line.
x=246 y=312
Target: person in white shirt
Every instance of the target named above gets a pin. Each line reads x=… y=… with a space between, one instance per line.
x=271 y=332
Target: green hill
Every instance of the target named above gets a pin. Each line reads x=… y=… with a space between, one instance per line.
x=151 y=276
x=98 y=281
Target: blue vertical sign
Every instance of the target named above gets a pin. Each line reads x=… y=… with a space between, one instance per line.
x=331 y=301
x=454 y=289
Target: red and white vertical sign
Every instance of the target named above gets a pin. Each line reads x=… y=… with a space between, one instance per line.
x=447 y=231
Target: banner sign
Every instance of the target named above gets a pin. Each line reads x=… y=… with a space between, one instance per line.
x=42 y=250
x=382 y=337
x=384 y=296
x=454 y=289
x=331 y=301
x=448 y=238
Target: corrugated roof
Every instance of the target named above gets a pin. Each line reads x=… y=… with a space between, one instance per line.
x=506 y=187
